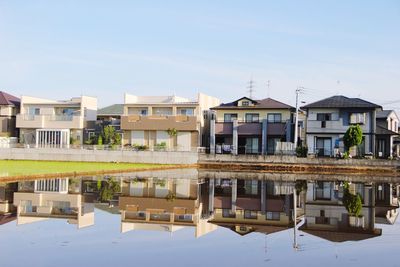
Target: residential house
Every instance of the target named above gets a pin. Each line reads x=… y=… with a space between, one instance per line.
x=9 y=107
x=110 y=115
x=246 y=206
x=386 y=202
x=49 y=123
x=59 y=198
x=163 y=204
x=7 y=209
x=170 y=122
x=248 y=126
x=387 y=129
x=327 y=217
x=329 y=119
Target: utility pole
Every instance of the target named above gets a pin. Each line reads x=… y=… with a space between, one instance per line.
x=296 y=123
x=295 y=218
x=268 y=85
x=251 y=88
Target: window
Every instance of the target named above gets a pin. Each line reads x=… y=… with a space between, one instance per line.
x=324 y=116
x=187 y=112
x=323 y=191
x=273 y=215
x=252 y=117
x=250 y=214
x=357 y=118
x=321 y=219
x=34 y=111
x=143 y=112
x=245 y=103
x=274 y=117
x=226 y=213
x=229 y=117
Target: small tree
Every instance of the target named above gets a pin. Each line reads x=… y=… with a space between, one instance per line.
x=352 y=137
x=352 y=203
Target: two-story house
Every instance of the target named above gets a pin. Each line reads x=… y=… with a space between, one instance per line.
x=246 y=206
x=59 y=198
x=327 y=217
x=387 y=128
x=329 y=119
x=171 y=122
x=9 y=107
x=248 y=126
x=163 y=204
x=50 y=123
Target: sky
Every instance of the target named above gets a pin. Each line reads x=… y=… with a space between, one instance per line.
x=56 y=243
x=62 y=49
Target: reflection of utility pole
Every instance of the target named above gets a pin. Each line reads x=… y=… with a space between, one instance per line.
x=295 y=219
x=296 y=123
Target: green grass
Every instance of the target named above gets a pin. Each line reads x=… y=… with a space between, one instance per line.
x=29 y=167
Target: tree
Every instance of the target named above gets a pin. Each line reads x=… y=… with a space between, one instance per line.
x=352 y=137
x=352 y=203
x=110 y=136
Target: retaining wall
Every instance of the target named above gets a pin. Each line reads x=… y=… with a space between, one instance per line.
x=160 y=157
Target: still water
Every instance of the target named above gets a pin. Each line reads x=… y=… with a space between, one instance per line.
x=199 y=218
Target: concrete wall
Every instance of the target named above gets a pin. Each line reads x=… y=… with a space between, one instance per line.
x=99 y=155
x=204 y=158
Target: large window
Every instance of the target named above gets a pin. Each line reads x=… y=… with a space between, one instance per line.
x=250 y=214
x=229 y=117
x=273 y=215
x=323 y=118
x=187 y=111
x=252 y=117
x=323 y=191
x=274 y=117
x=357 y=118
x=226 y=213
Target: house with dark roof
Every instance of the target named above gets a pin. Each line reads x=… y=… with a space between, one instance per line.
x=9 y=107
x=248 y=126
x=109 y=116
x=329 y=119
x=252 y=205
x=387 y=129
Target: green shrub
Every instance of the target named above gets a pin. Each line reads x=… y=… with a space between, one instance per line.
x=302 y=151
x=352 y=203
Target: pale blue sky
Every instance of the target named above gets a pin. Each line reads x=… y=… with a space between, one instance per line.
x=60 y=49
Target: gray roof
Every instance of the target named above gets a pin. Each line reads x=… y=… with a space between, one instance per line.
x=7 y=99
x=116 y=109
x=384 y=114
x=267 y=103
x=339 y=101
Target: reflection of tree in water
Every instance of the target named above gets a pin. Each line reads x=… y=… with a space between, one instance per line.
x=108 y=188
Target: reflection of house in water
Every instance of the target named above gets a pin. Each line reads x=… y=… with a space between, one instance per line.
x=163 y=205
x=327 y=217
x=246 y=206
x=59 y=198
x=7 y=210
x=386 y=200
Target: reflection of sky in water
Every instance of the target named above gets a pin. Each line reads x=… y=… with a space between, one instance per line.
x=57 y=243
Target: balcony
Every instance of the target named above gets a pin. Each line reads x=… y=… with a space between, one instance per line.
x=159 y=122
x=278 y=128
x=50 y=121
x=249 y=128
x=49 y=212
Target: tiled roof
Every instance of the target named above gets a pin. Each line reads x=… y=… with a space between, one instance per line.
x=116 y=109
x=267 y=103
x=383 y=131
x=7 y=99
x=339 y=101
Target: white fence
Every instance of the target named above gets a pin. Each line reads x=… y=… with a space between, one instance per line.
x=7 y=142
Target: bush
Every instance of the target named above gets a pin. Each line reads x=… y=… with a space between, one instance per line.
x=302 y=151
x=352 y=137
x=352 y=203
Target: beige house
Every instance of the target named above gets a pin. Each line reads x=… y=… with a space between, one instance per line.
x=50 y=123
x=9 y=107
x=162 y=205
x=170 y=122
x=58 y=198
